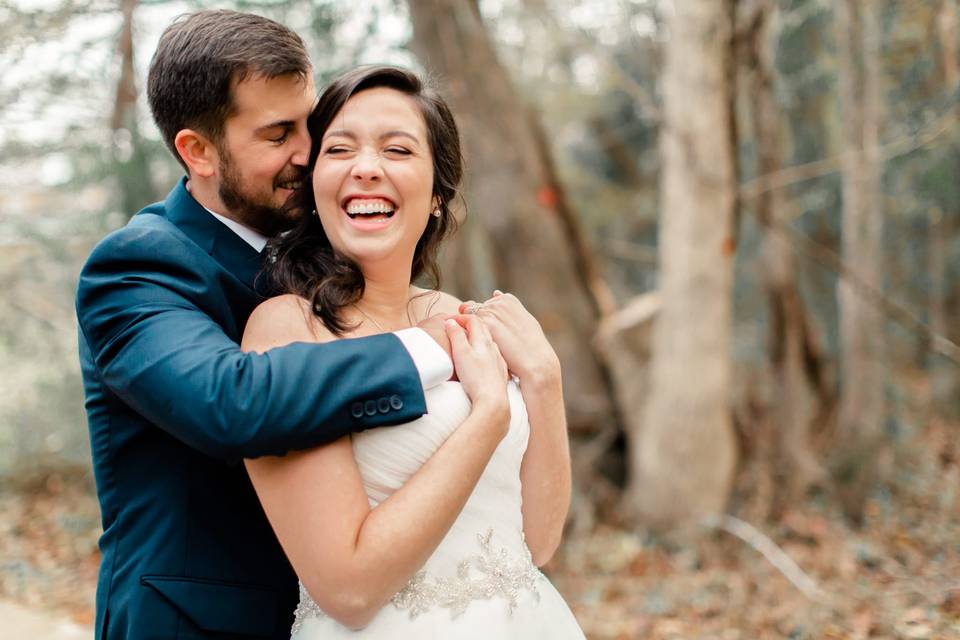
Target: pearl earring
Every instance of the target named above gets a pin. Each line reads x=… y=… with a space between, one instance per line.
x=436 y=212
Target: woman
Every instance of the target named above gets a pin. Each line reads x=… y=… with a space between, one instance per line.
x=417 y=530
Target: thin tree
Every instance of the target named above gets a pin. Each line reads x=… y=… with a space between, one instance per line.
x=792 y=347
x=942 y=374
x=683 y=459
x=129 y=153
x=862 y=411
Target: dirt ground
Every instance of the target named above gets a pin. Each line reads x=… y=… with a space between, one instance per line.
x=898 y=576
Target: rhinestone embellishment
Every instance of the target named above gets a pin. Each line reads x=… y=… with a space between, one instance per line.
x=483 y=576
x=497 y=574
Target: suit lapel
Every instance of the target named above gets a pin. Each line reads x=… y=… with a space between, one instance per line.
x=226 y=247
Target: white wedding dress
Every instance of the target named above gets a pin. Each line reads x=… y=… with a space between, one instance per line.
x=480 y=582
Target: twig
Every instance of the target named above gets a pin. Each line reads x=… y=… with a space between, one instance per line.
x=810 y=170
x=638 y=309
x=774 y=554
x=898 y=313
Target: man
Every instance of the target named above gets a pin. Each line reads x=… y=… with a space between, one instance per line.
x=173 y=404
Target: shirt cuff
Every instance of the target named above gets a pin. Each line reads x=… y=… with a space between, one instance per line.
x=432 y=362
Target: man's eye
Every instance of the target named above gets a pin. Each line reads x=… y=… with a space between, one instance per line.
x=281 y=138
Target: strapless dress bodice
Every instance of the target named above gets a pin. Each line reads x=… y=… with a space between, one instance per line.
x=483 y=560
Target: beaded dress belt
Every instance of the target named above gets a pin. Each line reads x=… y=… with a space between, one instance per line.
x=483 y=576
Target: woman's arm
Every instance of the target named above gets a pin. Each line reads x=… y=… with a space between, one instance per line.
x=352 y=559
x=545 y=471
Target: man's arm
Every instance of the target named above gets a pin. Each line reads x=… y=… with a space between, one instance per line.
x=429 y=346
x=160 y=352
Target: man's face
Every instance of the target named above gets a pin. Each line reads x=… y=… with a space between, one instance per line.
x=264 y=151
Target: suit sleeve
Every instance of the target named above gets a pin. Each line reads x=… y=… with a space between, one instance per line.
x=157 y=348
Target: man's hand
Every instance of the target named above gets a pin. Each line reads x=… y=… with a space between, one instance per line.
x=519 y=336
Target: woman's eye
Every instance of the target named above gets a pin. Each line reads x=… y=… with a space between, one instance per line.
x=398 y=150
x=335 y=150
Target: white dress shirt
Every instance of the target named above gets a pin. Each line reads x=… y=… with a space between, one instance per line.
x=432 y=362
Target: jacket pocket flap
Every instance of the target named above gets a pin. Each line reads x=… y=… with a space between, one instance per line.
x=221 y=607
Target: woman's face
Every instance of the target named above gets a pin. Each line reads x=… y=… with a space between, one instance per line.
x=373 y=179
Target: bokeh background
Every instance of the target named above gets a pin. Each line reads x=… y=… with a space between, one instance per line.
x=738 y=221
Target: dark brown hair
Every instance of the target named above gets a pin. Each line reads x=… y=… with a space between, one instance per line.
x=200 y=58
x=304 y=262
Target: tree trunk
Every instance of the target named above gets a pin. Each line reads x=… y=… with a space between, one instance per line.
x=942 y=374
x=519 y=235
x=683 y=459
x=791 y=338
x=861 y=413
x=128 y=147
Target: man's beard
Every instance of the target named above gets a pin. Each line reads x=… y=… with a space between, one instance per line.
x=256 y=210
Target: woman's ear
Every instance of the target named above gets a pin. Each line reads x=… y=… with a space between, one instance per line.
x=198 y=153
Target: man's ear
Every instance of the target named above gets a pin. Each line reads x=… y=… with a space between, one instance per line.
x=199 y=154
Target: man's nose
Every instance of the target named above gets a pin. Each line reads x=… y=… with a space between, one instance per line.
x=301 y=151
x=366 y=166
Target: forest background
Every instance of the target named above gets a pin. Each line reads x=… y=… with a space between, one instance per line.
x=737 y=220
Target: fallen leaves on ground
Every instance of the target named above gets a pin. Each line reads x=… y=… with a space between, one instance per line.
x=898 y=576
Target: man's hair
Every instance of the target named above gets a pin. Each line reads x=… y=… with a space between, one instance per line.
x=202 y=56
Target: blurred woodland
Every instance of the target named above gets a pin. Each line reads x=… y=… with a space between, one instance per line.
x=737 y=220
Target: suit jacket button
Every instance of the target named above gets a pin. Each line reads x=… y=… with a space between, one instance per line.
x=396 y=402
x=383 y=405
x=357 y=409
x=370 y=407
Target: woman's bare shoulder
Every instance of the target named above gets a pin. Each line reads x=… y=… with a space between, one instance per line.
x=280 y=321
x=433 y=302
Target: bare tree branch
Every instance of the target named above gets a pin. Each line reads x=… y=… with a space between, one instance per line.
x=893 y=310
x=774 y=554
x=789 y=176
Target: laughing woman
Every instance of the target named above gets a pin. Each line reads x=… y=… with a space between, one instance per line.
x=432 y=529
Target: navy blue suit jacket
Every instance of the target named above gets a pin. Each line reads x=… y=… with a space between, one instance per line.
x=173 y=407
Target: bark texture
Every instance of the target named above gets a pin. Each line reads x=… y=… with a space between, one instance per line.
x=520 y=235
x=792 y=348
x=128 y=148
x=683 y=458
x=861 y=412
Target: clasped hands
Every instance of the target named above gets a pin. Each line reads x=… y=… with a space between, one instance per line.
x=516 y=333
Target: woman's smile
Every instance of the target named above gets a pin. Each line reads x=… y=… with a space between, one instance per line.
x=369 y=213
x=373 y=180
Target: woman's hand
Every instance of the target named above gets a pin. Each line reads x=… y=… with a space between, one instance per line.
x=350 y=557
x=519 y=336
x=479 y=366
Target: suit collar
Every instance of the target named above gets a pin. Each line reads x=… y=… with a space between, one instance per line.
x=214 y=237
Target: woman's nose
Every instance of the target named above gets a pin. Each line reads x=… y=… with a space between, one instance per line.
x=367 y=166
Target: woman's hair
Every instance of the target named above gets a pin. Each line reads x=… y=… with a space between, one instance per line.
x=304 y=262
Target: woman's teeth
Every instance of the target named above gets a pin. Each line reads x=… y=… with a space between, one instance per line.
x=357 y=208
